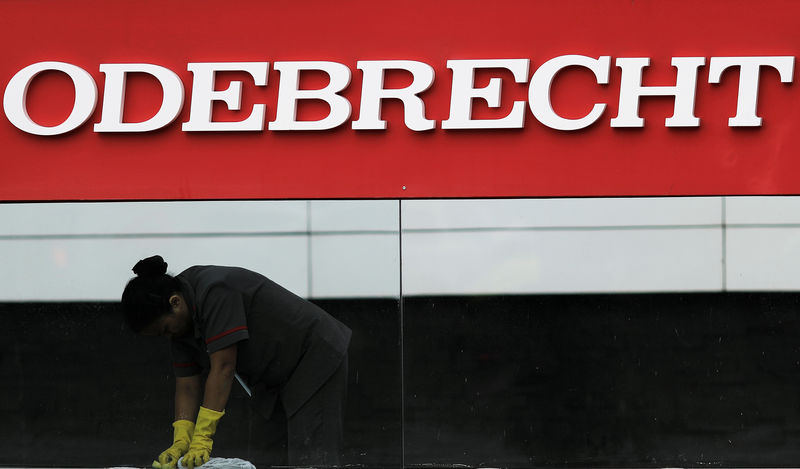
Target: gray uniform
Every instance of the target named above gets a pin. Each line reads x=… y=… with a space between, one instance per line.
x=288 y=349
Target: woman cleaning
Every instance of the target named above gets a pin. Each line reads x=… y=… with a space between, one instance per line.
x=232 y=321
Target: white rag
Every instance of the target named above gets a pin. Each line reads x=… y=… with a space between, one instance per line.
x=213 y=463
x=222 y=463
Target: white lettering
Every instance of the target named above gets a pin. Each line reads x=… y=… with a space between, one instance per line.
x=289 y=94
x=539 y=91
x=114 y=98
x=14 y=99
x=372 y=92
x=749 y=67
x=204 y=95
x=464 y=92
x=631 y=90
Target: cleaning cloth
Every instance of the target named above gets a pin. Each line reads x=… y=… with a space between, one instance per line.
x=222 y=463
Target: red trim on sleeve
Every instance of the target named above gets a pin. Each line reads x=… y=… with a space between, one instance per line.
x=184 y=365
x=219 y=336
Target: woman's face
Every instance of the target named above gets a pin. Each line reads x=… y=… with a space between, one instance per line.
x=177 y=323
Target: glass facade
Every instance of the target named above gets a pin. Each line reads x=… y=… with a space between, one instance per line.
x=601 y=332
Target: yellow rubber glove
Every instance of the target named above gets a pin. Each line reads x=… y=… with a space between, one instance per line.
x=181 y=439
x=200 y=448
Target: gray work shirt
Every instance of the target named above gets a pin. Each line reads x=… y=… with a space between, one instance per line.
x=287 y=346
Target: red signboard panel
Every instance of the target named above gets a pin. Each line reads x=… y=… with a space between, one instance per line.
x=531 y=160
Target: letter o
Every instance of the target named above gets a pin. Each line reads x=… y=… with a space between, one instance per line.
x=14 y=99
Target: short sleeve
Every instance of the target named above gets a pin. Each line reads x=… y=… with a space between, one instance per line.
x=225 y=319
x=184 y=359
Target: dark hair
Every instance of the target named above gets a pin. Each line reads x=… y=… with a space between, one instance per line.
x=146 y=296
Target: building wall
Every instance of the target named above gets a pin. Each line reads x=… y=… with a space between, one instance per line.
x=85 y=251
x=352 y=249
x=508 y=333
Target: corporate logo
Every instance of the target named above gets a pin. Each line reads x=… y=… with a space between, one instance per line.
x=373 y=92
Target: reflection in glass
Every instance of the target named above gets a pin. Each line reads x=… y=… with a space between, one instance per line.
x=87 y=390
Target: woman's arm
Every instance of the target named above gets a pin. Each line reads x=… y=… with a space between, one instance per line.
x=220 y=378
x=218 y=388
x=187 y=397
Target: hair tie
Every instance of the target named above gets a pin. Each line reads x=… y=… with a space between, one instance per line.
x=151 y=267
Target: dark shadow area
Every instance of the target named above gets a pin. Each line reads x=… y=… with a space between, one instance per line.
x=80 y=390
x=623 y=380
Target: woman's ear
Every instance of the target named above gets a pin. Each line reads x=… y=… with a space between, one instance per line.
x=174 y=301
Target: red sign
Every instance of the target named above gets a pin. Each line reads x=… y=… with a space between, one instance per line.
x=195 y=100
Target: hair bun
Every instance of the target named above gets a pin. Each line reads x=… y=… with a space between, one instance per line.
x=151 y=267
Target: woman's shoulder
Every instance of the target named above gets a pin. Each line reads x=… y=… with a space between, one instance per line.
x=206 y=277
x=207 y=272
